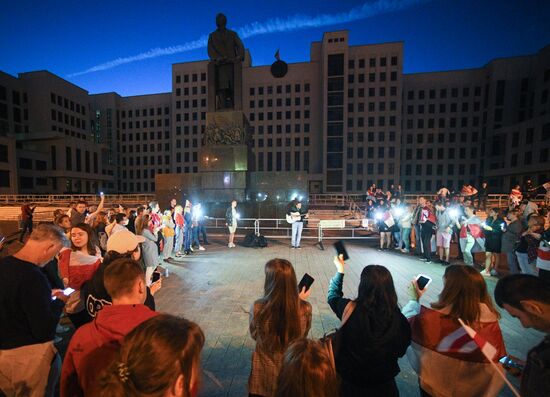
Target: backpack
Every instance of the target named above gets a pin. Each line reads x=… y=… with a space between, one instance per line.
x=250 y=240
x=262 y=241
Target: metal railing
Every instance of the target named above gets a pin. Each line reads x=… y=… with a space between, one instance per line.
x=53 y=199
x=356 y=229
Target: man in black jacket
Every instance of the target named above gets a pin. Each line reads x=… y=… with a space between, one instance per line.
x=527 y=298
x=29 y=313
x=482 y=195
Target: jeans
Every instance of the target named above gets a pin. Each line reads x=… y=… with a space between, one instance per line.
x=524 y=265
x=187 y=238
x=179 y=238
x=426 y=233
x=202 y=231
x=397 y=237
x=405 y=238
x=512 y=262
x=195 y=237
x=468 y=257
x=417 y=240
x=297 y=233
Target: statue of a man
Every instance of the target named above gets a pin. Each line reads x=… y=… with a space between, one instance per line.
x=225 y=49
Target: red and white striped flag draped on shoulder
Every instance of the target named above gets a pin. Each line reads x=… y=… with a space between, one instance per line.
x=448 y=361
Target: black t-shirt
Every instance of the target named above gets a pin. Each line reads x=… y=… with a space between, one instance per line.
x=28 y=315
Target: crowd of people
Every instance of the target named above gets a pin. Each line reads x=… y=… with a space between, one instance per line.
x=520 y=232
x=98 y=268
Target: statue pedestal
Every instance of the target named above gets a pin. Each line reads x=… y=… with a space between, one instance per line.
x=225 y=159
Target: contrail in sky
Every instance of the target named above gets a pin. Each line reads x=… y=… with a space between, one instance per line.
x=288 y=24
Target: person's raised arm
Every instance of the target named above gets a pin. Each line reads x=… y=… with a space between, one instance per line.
x=412 y=308
x=335 y=296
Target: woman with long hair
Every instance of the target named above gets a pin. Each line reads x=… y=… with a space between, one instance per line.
x=307 y=370
x=160 y=357
x=281 y=316
x=374 y=333
x=77 y=265
x=442 y=369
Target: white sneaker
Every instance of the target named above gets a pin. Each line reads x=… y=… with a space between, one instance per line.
x=485 y=273
x=229 y=245
x=201 y=248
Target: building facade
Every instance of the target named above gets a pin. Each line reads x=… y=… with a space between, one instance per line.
x=349 y=117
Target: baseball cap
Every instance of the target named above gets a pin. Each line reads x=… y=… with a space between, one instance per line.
x=124 y=241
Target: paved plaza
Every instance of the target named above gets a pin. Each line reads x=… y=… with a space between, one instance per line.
x=216 y=288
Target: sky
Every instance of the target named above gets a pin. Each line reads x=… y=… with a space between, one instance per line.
x=128 y=46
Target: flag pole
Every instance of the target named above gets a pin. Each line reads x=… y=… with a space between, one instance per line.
x=495 y=366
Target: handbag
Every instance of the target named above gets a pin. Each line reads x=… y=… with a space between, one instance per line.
x=333 y=340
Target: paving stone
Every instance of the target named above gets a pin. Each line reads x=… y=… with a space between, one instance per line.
x=217 y=287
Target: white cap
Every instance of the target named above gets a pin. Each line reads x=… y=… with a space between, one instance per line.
x=123 y=241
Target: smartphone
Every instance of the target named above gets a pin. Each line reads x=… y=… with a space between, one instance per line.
x=306 y=281
x=508 y=362
x=156 y=277
x=341 y=249
x=68 y=291
x=2 y=240
x=423 y=281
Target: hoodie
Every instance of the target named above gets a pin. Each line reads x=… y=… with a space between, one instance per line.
x=94 y=345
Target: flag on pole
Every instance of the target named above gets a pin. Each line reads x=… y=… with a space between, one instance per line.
x=488 y=350
x=277 y=56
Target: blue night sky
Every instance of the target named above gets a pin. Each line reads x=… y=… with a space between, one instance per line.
x=71 y=37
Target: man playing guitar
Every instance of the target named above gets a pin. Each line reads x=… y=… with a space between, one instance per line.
x=296 y=215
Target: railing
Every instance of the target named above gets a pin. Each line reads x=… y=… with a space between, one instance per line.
x=51 y=199
x=356 y=229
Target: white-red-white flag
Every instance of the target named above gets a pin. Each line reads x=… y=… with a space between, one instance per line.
x=488 y=350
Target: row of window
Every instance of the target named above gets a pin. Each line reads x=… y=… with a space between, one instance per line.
x=441 y=154
x=279 y=142
x=529 y=158
x=265 y=161
x=151 y=134
x=360 y=168
x=279 y=89
x=145 y=112
x=360 y=107
x=360 y=136
x=190 y=116
x=67 y=104
x=67 y=119
x=78 y=160
x=279 y=102
x=145 y=124
x=138 y=187
x=453 y=108
x=380 y=151
x=382 y=62
x=193 y=91
x=150 y=160
x=429 y=169
x=382 y=77
x=530 y=135
x=442 y=123
x=371 y=92
x=432 y=93
x=194 y=77
x=68 y=132
x=279 y=129
x=451 y=138
x=279 y=115
x=15 y=96
x=194 y=103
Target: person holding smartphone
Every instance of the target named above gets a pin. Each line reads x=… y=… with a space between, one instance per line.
x=278 y=318
x=29 y=316
x=374 y=333
x=442 y=370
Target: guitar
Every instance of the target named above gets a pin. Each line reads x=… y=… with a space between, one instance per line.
x=293 y=217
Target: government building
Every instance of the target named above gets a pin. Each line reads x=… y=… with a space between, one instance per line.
x=348 y=118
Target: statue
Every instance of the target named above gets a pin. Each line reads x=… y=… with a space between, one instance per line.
x=226 y=52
